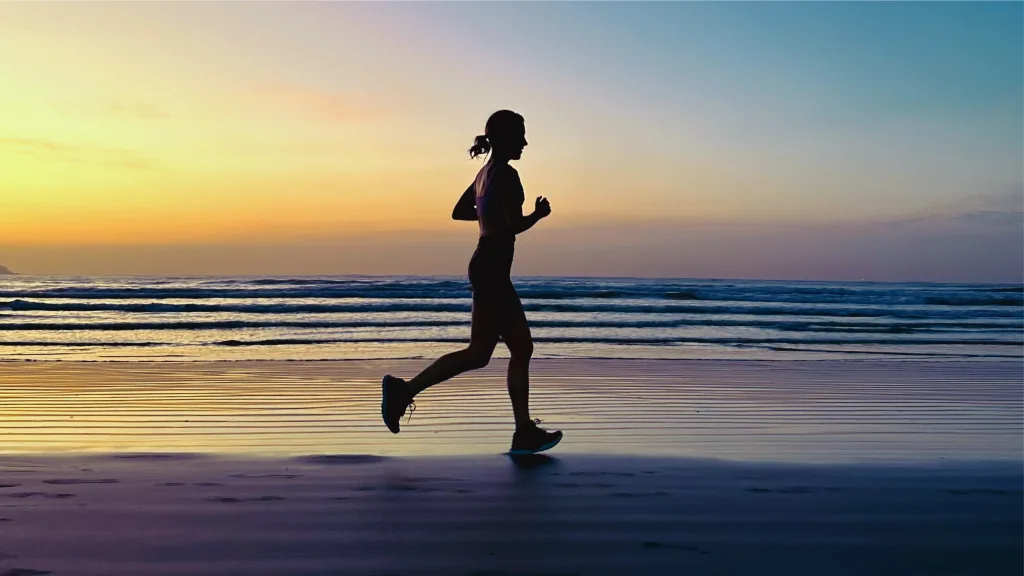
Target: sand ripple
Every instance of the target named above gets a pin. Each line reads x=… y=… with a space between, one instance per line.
x=784 y=410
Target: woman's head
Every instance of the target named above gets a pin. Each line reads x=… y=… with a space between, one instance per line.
x=504 y=136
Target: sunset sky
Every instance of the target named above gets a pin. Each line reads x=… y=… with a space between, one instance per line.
x=880 y=141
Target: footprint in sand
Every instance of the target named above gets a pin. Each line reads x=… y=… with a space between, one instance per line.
x=228 y=500
x=61 y=482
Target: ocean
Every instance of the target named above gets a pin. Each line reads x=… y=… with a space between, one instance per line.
x=356 y=317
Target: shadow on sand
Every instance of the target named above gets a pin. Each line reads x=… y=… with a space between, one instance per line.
x=525 y=462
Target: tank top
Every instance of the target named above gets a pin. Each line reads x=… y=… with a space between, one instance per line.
x=493 y=184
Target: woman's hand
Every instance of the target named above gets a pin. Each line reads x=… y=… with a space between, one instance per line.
x=542 y=208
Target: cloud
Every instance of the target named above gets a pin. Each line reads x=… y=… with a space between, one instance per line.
x=988 y=211
x=64 y=152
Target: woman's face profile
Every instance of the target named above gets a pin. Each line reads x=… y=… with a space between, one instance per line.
x=517 y=142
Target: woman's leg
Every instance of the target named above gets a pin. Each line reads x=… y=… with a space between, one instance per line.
x=482 y=340
x=515 y=331
x=528 y=438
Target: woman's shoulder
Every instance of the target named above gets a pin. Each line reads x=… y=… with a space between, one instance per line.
x=508 y=174
x=503 y=179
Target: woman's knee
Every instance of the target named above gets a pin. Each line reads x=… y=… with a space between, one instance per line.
x=479 y=356
x=521 y=350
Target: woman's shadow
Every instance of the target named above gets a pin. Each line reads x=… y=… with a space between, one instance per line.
x=527 y=462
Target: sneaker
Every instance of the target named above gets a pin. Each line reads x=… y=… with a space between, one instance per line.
x=394 y=400
x=533 y=439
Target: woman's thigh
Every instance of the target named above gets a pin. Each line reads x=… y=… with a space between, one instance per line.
x=485 y=330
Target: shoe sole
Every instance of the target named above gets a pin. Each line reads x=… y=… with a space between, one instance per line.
x=384 y=403
x=547 y=446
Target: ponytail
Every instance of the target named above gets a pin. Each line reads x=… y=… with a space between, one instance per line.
x=481 y=145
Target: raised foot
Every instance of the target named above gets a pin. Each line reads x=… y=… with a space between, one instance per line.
x=395 y=398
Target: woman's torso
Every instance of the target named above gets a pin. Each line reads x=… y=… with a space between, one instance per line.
x=495 y=185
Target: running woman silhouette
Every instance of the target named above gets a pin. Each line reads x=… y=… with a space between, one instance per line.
x=495 y=201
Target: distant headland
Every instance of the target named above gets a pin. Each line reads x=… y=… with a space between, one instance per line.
x=6 y=271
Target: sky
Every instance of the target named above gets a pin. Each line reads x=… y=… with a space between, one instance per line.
x=831 y=141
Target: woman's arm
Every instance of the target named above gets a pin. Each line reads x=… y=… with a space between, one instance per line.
x=465 y=208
